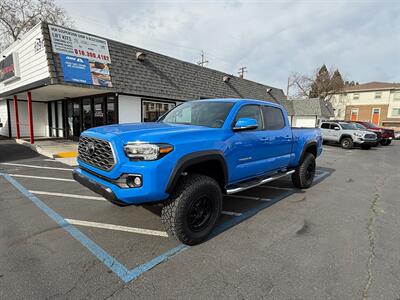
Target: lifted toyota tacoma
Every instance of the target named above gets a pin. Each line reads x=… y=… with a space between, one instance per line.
x=192 y=156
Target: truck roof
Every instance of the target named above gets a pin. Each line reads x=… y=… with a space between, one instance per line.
x=240 y=100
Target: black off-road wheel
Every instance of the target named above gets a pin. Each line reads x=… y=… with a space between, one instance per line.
x=347 y=143
x=303 y=177
x=193 y=209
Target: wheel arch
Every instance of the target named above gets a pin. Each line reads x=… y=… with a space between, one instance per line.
x=211 y=163
x=309 y=147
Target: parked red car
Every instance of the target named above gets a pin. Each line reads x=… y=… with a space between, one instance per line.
x=386 y=135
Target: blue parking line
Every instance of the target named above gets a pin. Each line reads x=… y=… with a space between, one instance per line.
x=120 y=270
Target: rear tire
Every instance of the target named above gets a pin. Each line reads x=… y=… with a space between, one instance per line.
x=303 y=177
x=193 y=209
x=347 y=143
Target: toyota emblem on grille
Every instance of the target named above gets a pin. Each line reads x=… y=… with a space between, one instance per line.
x=89 y=149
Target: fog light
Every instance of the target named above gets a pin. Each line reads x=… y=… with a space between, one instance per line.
x=133 y=181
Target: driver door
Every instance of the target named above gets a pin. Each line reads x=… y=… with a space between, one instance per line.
x=248 y=149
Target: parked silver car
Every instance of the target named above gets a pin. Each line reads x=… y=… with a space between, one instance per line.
x=347 y=135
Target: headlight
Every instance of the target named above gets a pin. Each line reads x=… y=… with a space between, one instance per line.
x=358 y=134
x=144 y=151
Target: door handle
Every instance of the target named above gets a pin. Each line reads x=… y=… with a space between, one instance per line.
x=264 y=139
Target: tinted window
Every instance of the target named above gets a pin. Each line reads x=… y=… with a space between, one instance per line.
x=273 y=118
x=202 y=113
x=250 y=112
x=325 y=125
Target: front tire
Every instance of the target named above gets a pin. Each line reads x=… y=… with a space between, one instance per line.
x=303 y=177
x=347 y=143
x=193 y=209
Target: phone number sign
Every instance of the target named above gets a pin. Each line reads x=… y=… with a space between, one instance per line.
x=66 y=41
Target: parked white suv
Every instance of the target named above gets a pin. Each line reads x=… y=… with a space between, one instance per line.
x=347 y=135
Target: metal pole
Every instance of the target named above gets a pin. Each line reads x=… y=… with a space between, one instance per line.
x=31 y=136
x=16 y=116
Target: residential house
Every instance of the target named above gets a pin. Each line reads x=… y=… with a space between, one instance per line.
x=376 y=102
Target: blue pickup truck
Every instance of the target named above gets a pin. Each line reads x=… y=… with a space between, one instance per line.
x=193 y=155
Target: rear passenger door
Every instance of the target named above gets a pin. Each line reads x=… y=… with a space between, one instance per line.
x=277 y=138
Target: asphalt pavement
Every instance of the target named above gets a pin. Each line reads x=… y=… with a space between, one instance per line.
x=337 y=240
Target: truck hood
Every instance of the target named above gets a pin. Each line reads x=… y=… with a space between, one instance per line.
x=149 y=131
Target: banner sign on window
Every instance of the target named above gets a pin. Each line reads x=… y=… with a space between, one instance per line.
x=70 y=42
x=9 y=69
x=81 y=70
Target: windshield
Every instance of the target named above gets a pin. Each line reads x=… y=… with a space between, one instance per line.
x=348 y=126
x=201 y=113
x=372 y=125
x=360 y=126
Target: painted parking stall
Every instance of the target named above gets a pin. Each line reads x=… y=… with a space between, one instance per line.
x=105 y=230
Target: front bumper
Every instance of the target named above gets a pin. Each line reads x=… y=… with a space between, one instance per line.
x=362 y=141
x=148 y=192
x=96 y=187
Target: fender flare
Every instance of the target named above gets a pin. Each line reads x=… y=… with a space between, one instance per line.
x=345 y=135
x=306 y=147
x=192 y=159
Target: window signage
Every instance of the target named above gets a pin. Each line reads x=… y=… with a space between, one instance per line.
x=9 y=69
x=81 y=70
x=66 y=41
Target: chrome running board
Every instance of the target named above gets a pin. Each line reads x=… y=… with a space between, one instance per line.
x=252 y=184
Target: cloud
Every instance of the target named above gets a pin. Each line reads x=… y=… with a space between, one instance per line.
x=271 y=38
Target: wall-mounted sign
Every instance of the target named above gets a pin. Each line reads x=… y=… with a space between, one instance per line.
x=81 y=70
x=66 y=41
x=9 y=69
x=38 y=45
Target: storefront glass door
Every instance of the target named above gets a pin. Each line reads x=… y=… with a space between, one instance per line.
x=74 y=119
x=88 y=112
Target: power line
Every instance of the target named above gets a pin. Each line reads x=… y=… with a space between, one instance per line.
x=241 y=72
x=203 y=61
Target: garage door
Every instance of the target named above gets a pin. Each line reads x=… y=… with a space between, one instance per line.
x=304 y=121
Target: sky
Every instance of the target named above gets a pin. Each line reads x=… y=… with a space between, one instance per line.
x=271 y=38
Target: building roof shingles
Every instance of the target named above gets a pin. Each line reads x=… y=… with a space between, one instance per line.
x=161 y=76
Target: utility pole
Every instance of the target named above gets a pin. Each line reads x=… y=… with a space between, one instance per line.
x=203 y=61
x=287 y=88
x=241 y=72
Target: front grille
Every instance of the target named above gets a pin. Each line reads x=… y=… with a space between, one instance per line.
x=96 y=152
x=370 y=136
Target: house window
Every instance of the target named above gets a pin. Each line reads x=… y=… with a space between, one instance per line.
x=396 y=112
x=397 y=96
x=378 y=95
x=354 y=114
x=356 y=96
x=152 y=110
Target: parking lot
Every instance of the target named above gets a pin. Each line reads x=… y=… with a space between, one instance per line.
x=338 y=239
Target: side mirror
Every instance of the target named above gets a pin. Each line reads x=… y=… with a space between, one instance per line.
x=336 y=128
x=245 y=124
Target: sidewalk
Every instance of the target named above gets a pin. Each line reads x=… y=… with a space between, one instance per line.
x=62 y=150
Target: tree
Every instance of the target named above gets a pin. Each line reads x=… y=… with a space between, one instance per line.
x=19 y=16
x=321 y=84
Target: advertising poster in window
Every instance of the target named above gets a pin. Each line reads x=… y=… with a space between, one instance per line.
x=81 y=70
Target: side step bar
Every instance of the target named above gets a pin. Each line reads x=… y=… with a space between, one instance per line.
x=252 y=184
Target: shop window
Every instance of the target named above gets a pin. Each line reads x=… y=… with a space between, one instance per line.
x=111 y=110
x=152 y=110
x=87 y=113
x=98 y=111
